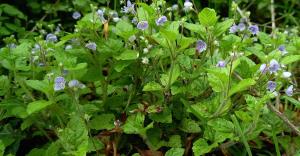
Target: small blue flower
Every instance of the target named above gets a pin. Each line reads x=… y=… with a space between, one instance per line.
x=76 y=15
x=100 y=14
x=73 y=83
x=174 y=7
x=271 y=86
x=289 y=91
x=221 y=64
x=129 y=8
x=200 y=46
x=11 y=46
x=91 y=46
x=161 y=20
x=254 y=29
x=51 y=37
x=134 y=21
x=282 y=49
x=241 y=26
x=274 y=66
x=59 y=83
x=233 y=29
x=142 y=25
x=263 y=68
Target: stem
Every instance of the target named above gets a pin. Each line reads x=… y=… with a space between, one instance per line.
x=276 y=142
x=237 y=125
x=273 y=18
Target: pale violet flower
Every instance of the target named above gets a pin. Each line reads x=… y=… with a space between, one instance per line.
x=76 y=84
x=241 y=26
x=253 y=29
x=91 y=46
x=174 y=7
x=200 y=46
x=233 y=29
x=134 y=21
x=282 y=49
x=286 y=74
x=76 y=15
x=161 y=20
x=274 y=66
x=289 y=91
x=221 y=64
x=271 y=86
x=59 y=83
x=142 y=25
x=51 y=37
x=132 y=38
x=100 y=14
x=129 y=8
x=263 y=68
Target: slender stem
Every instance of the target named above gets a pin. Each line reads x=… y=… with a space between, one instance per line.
x=237 y=125
x=273 y=18
x=276 y=142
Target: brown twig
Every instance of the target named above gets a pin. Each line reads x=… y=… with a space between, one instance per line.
x=284 y=118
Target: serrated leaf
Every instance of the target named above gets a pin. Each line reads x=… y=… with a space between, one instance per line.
x=201 y=147
x=290 y=59
x=152 y=86
x=128 y=55
x=241 y=86
x=222 y=27
x=103 y=121
x=175 y=152
x=189 y=126
x=42 y=86
x=208 y=17
x=36 y=106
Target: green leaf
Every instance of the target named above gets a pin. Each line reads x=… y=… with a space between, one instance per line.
x=189 y=126
x=152 y=86
x=2 y=148
x=222 y=27
x=135 y=125
x=42 y=86
x=12 y=11
x=201 y=147
x=95 y=144
x=74 y=138
x=163 y=117
x=292 y=100
x=103 y=121
x=166 y=77
x=218 y=79
x=4 y=85
x=36 y=106
x=290 y=59
x=208 y=17
x=128 y=55
x=175 y=152
x=241 y=86
x=264 y=38
x=197 y=28
x=221 y=125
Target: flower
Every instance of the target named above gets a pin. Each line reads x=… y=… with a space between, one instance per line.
x=254 y=29
x=200 y=46
x=68 y=47
x=187 y=5
x=289 y=90
x=282 y=49
x=59 y=83
x=134 y=20
x=51 y=37
x=145 y=60
x=11 y=46
x=145 y=50
x=271 y=86
x=241 y=26
x=174 y=7
x=286 y=74
x=91 y=46
x=142 y=25
x=263 y=68
x=233 y=29
x=274 y=66
x=100 y=14
x=73 y=83
x=76 y=15
x=129 y=8
x=132 y=38
x=221 y=64
x=161 y=20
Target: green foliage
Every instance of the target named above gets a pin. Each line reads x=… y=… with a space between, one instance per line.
x=103 y=84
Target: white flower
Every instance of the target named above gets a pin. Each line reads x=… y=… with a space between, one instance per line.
x=145 y=60
x=188 y=5
x=286 y=74
x=145 y=50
